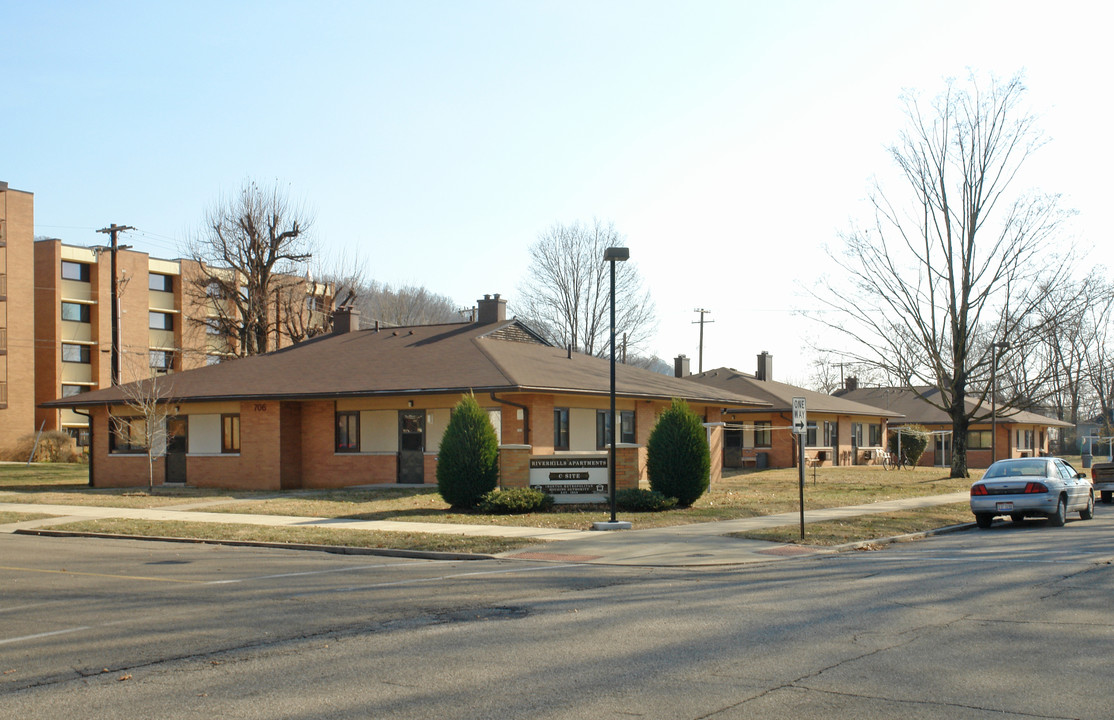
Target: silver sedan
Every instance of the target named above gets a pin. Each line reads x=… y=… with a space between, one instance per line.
x=1022 y=487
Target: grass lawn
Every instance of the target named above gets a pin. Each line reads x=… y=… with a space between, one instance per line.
x=866 y=527
x=741 y=494
x=440 y=542
x=7 y=518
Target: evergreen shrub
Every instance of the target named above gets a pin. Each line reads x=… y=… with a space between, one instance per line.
x=515 y=501
x=678 y=460
x=643 y=500
x=468 y=460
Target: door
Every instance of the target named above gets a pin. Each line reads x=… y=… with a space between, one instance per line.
x=856 y=441
x=176 y=443
x=733 y=448
x=943 y=450
x=411 y=446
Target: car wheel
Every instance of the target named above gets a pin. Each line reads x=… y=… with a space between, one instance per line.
x=1088 y=512
x=1057 y=518
x=984 y=520
x=1106 y=496
x=1017 y=517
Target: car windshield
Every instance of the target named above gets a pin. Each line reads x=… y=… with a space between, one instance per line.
x=1017 y=468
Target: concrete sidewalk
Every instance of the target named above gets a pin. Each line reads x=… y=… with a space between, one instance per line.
x=681 y=545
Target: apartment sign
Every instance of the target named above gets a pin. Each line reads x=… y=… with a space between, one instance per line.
x=570 y=479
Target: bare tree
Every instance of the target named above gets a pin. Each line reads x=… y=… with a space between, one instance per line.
x=148 y=399
x=566 y=295
x=405 y=305
x=831 y=371
x=960 y=261
x=1100 y=355
x=252 y=251
x=1054 y=372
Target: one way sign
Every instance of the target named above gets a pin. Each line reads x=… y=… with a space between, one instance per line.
x=800 y=424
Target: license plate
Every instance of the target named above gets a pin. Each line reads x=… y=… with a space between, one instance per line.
x=1004 y=506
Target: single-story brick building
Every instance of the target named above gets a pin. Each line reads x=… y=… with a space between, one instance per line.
x=361 y=406
x=839 y=431
x=1020 y=433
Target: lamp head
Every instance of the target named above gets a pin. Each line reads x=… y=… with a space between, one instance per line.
x=616 y=253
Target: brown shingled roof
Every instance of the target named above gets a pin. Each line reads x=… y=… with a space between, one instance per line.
x=412 y=360
x=918 y=410
x=780 y=395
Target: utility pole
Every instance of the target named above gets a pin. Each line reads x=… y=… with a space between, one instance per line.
x=702 y=312
x=112 y=231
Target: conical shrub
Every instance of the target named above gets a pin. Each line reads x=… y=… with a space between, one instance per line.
x=468 y=460
x=677 y=457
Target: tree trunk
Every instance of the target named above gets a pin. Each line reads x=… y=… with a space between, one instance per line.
x=960 y=423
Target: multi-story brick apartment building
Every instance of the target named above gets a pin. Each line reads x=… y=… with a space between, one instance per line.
x=17 y=325
x=56 y=330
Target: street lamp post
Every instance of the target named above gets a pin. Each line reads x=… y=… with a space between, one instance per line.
x=994 y=355
x=613 y=255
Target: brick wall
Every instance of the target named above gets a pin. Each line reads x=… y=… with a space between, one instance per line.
x=118 y=470
x=627 y=466
x=48 y=351
x=514 y=465
x=18 y=212
x=323 y=467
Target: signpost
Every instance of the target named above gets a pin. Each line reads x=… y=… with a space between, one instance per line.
x=800 y=429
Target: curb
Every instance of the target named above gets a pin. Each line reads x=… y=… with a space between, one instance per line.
x=335 y=549
x=908 y=537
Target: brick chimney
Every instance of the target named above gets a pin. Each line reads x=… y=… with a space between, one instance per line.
x=491 y=309
x=681 y=366
x=850 y=384
x=346 y=320
x=765 y=369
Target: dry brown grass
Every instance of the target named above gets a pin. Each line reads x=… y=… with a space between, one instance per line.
x=438 y=542
x=866 y=527
x=742 y=494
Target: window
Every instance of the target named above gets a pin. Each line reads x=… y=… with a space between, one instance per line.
x=214 y=289
x=160 y=283
x=212 y=326
x=80 y=436
x=75 y=312
x=560 y=428
x=348 y=432
x=75 y=271
x=230 y=433
x=162 y=360
x=160 y=321
x=71 y=390
x=831 y=433
x=875 y=430
x=810 y=435
x=978 y=439
x=1024 y=439
x=857 y=434
x=75 y=353
x=126 y=435
x=762 y=433
x=212 y=359
x=603 y=427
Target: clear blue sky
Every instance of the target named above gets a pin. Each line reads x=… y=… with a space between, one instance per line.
x=729 y=141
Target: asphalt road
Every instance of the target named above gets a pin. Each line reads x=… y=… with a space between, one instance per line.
x=1010 y=622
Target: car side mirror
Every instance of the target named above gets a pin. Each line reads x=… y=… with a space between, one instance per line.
x=1081 y=475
